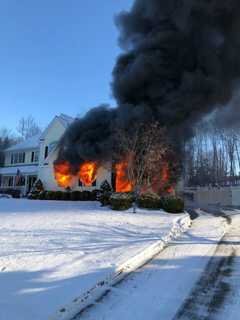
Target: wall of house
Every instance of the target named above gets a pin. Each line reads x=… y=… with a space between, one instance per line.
x=28 y=158
x=46 y=170
x=51 y=137
x=46 y=174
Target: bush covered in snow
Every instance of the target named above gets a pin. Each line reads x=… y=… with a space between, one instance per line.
x=173 y=205
x=11 y=192
x=149 y=200
x=121 y=201
x=5 y=196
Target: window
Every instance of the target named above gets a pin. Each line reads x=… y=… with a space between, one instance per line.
x=35 y=156
x=18 y=157
x=52 y=146
x=46 y=152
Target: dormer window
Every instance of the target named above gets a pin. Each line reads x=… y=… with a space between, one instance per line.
x=18 y=157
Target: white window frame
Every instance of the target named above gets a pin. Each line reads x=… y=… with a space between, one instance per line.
x=18 y=157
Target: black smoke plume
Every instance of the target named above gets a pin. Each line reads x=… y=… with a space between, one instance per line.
x=180 y=61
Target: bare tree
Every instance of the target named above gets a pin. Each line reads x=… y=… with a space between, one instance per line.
x=147 y=154
x=27 y=127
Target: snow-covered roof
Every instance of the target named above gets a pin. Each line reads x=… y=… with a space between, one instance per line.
x=65 y=119
x=31 y=143
x=23 y=170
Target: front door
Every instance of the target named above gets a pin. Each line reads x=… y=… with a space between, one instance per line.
x=31 y=181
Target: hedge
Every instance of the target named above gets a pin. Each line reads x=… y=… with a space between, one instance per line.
x=66 y=196
x=12 y=192
x=121 y=201
x=173 y=205
x=149 y=200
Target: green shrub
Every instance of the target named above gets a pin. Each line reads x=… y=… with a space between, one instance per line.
x=121 y=201
x=149 y=200
x=51 y=195
x=173 y=205
x=58 y=195
x=85 y=196
x=66 y=196
x=33 y=196
x=42 y=195
x=75 y=196
x=95 y=195
x=104 y=198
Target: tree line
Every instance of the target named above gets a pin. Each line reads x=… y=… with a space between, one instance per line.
x=27 y=127
x=212 y=156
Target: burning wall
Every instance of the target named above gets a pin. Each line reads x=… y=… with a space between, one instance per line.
x=66 y=177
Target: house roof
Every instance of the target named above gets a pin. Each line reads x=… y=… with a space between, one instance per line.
x=34 y=142
x=31 y=143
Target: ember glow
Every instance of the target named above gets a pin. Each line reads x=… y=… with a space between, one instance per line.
x=63 y=175
x=88 y=173
x=161 y=184
x=122 y=182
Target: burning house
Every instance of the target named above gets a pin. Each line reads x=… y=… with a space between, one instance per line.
x=180 y=63
x=33 y=159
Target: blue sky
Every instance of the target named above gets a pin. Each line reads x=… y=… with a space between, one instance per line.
x=56 y=56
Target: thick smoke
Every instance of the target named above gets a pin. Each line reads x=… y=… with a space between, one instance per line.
x=181 y=61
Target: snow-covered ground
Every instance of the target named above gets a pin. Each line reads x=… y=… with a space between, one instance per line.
x=159 y=289
x=51 y=252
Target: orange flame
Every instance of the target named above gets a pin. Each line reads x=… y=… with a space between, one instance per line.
x=63 y=175
x=122 y=182
x=88 y=173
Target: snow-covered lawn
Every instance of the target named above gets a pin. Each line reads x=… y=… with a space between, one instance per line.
x=159 y=289
x=51 y=252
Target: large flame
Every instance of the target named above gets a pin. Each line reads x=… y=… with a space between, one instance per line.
x=122 y=182
x=88 y=173
x=63 y=175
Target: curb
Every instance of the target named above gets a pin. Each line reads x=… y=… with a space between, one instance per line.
x=90 y=297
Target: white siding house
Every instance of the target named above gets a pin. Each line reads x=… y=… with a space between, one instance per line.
x=20 y=168
x=34 y=158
